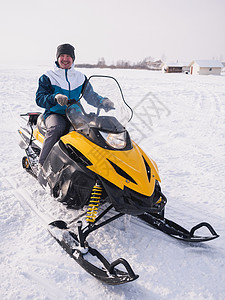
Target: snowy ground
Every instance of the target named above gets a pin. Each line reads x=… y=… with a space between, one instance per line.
x=180 y=122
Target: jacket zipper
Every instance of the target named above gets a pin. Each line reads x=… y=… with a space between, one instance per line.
x=67 y=81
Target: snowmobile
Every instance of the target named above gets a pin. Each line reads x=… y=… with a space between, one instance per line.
x=97 y=166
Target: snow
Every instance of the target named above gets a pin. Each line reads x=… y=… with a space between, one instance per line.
x=179 y=122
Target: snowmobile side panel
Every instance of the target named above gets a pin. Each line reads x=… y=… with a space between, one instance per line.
x=70 y=181
x=119 y=167
x=38 y=135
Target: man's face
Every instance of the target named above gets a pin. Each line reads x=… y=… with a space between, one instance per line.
x=65 y=61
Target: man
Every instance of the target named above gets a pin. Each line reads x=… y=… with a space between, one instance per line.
x=55 y=88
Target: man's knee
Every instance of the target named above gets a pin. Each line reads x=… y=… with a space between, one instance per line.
x=55 y=130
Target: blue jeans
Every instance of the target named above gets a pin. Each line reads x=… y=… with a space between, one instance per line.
x=57 y=125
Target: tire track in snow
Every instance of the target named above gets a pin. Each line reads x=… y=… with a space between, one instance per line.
x=25 y=198
x=51 y=290
x=48 y=286
x=204 y=152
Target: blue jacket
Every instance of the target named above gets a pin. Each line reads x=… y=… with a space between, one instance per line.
x=62 y=81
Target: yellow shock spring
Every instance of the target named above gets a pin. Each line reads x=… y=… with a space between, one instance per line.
x=94 y=203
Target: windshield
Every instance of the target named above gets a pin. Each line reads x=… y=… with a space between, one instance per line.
x=102 y=105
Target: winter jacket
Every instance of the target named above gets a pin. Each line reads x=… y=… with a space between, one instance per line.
x=62 y=81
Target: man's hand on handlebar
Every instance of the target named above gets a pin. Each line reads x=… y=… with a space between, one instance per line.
x=61 y=99
x=107 y=104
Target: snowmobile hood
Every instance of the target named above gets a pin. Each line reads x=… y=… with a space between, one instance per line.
x=131 y=168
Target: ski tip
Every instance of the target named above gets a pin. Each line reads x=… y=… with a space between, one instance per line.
x=59 y=224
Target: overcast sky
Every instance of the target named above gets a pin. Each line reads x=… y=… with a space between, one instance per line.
x=131 y=30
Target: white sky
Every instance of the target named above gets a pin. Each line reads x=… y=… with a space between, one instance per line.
x=30 y=30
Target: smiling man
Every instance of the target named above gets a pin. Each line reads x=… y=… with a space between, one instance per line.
x=56 y=88
x=65 y=56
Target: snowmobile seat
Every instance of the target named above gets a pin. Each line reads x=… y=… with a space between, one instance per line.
x=41 y=124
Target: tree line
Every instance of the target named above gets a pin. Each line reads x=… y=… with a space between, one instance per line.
x=148 y=64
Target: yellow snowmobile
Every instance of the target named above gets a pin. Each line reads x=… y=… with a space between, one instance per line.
x=97 y=163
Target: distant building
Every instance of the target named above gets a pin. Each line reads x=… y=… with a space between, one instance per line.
x=176 y=67
x=206 y=67
x=154 y=65
x=172 y=68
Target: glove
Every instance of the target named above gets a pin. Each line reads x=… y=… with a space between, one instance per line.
x=107 y=104
x=61 y=99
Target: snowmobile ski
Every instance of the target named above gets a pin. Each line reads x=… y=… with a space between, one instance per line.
x=108 y=274
x=174 y=230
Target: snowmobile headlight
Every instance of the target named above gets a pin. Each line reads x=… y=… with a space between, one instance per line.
x=115 y=140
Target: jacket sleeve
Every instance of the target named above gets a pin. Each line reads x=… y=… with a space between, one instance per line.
x=91 y=96
x=45 y=96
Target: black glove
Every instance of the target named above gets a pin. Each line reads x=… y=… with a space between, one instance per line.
x=107 y=104
x=61 y=99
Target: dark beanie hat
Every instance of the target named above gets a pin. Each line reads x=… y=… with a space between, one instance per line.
x=65 y=49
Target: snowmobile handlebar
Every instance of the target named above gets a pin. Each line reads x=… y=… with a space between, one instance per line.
x=99 y=107
x=74 y=101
